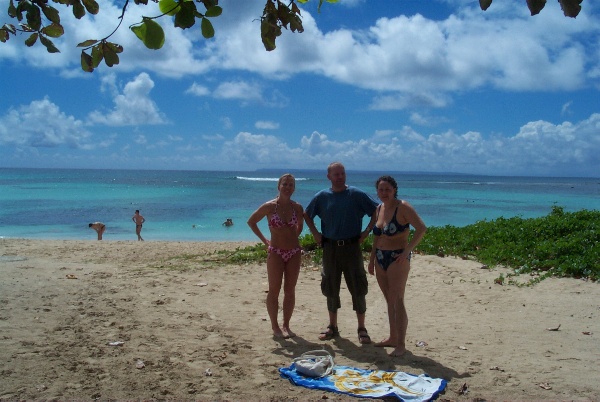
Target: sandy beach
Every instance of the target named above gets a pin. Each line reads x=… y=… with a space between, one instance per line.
x=189 y=326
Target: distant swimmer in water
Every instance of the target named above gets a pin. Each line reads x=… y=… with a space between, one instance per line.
x=228 y=222
x=99 y=227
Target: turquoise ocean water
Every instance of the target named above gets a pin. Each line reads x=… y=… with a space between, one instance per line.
x=191 y=205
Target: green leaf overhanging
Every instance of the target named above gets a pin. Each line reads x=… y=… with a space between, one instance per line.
x=150 y=33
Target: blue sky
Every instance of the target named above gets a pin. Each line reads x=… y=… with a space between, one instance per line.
x=398 y=85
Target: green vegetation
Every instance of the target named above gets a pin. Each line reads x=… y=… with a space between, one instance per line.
x=256 y=253
x=559 y=244
x=563 y=244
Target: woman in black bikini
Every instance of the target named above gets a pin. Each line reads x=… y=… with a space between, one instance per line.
x=390 y=256
x=285 y=219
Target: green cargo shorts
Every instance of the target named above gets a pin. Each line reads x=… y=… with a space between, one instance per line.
x=347 y=260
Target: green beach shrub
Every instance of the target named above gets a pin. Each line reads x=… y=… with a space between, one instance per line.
x=560 y=244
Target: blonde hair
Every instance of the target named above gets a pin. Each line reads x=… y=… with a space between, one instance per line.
x=285 y=176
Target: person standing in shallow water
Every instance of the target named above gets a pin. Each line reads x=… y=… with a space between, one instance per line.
x=390 y=257
x=139 y=220
x=285 y=220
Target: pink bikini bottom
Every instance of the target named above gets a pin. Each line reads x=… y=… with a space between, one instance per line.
x=285 y=255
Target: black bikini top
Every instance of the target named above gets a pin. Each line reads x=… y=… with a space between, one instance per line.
x=391 y=229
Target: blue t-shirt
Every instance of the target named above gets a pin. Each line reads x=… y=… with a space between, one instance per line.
x=341 y=213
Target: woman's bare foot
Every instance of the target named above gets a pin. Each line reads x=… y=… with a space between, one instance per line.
x=278 y=333
x=287 y=332
x=384 y=343
x=399 y=351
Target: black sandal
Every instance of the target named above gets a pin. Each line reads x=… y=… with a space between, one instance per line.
x=363 y=336
x=330 y=333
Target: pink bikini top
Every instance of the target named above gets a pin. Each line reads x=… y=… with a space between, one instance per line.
x=276 y=222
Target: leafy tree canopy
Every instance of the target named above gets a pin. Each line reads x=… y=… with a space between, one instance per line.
x=40 y=22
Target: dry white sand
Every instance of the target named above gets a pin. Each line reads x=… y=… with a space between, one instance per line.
x=181 y=313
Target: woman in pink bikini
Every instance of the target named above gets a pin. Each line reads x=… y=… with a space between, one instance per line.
x=285 y=219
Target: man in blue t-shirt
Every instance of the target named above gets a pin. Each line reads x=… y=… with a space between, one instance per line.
x=341 y=209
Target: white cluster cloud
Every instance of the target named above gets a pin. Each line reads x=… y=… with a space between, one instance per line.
x=412 y=54
x=567 y=149
x=198 y=90
x=240 y=90
x=503 y=47
x=41 y=124
x=133 y=107
x=266 y=125
x=245 y=92
x=538 y=147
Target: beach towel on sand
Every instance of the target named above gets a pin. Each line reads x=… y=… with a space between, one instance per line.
x=371 y=383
